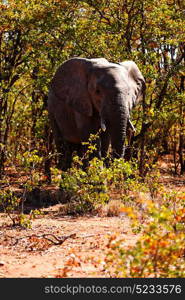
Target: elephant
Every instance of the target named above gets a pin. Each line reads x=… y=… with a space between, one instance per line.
x=91 y=95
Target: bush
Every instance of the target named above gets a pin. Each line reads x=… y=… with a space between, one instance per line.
x=13 y=207
x=160 y=250
x=93 y=187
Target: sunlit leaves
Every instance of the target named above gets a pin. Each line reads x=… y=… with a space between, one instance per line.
x=160 y=249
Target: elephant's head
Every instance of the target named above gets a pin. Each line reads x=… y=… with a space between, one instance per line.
x=110 y=90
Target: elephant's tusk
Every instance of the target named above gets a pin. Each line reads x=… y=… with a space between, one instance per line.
x=103 y=127
x=131 y=125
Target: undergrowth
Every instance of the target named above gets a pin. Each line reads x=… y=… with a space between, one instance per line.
x=88 y=190
x=157 y=215
x=160 y=249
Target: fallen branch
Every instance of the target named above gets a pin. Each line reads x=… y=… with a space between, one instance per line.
x=54 y=240
x=58 y=241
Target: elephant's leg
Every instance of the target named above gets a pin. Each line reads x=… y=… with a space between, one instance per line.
x=82 y=153
x=68 y=149
x=64 y=148
x=101 y=144
x=97 y=151
x=88 y=126
x=85 y=157
x=105 y=142
x=86 y=154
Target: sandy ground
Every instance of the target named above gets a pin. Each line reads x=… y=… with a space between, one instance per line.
x=64 y=246
x=27 y=253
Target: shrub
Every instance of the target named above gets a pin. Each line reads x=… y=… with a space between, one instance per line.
x=160 y=250
x=93 y=187
x=12 y=207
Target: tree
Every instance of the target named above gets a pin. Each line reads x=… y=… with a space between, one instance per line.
x=36 y=37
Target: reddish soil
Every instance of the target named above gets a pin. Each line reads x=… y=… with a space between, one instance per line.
x=26 y=253
x=66 y=246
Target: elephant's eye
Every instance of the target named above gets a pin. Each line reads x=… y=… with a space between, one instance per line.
x=97 y=91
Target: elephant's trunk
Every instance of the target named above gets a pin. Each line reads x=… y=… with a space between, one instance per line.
x=118 y=126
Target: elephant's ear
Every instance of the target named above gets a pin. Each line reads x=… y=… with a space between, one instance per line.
x=136 y=82
x=69 y=84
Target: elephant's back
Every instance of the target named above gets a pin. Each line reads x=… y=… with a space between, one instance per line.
x=80 y=64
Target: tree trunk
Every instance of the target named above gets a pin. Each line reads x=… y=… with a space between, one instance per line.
x=181 y=135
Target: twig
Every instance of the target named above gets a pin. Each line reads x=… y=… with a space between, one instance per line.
x=58 y=241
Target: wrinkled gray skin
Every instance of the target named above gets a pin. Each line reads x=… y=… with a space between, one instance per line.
x=88 y=94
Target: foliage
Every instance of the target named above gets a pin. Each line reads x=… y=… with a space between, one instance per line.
x=92 y=188
x=38 y=36
x=157 y=216
x=159 y=252
x=88 y=185
x=30 y=162
x=12 y=206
